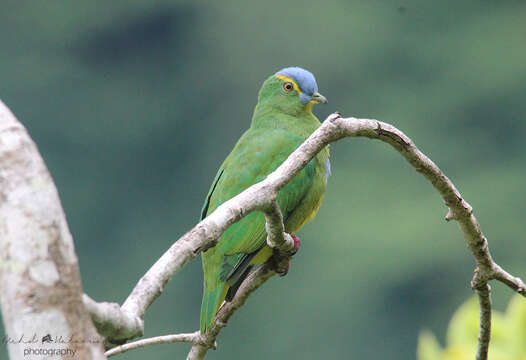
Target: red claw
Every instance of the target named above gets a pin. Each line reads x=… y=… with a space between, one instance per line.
x=296 y=243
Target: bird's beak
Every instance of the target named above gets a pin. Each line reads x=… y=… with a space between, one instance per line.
x=318 y=98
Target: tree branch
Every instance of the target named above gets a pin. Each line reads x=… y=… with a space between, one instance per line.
x=336 y=127
x=262 y=197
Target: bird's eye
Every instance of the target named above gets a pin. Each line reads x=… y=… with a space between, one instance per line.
x=288 y=87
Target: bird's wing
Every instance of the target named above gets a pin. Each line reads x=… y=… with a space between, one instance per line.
x=258 y=153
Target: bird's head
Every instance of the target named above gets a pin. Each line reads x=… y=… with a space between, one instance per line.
x=292 y=90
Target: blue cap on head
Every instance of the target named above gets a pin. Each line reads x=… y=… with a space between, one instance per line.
x=304 y=79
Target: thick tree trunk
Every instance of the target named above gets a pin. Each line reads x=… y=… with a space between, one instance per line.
x=40 y=287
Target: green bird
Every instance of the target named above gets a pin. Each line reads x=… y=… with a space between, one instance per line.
x=282 y=121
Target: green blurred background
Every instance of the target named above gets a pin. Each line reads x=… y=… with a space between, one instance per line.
x=134 y=105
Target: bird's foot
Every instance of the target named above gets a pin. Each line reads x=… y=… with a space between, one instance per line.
x=285 y=270
x=281 y=263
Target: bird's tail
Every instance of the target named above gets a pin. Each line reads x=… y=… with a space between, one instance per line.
x=213 y=296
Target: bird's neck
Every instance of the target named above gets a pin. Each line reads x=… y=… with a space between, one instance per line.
x=301 y=122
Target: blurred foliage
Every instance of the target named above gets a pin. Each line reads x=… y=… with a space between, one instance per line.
x=134 y=105
x=508 y=333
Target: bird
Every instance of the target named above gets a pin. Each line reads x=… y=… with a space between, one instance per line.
x=281 y=122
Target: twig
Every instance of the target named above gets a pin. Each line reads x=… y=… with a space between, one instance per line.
x=277 y=238
x=513 y=282
x=165 y=339
x=485 y=322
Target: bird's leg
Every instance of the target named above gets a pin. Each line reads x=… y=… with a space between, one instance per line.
x=280 y=266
